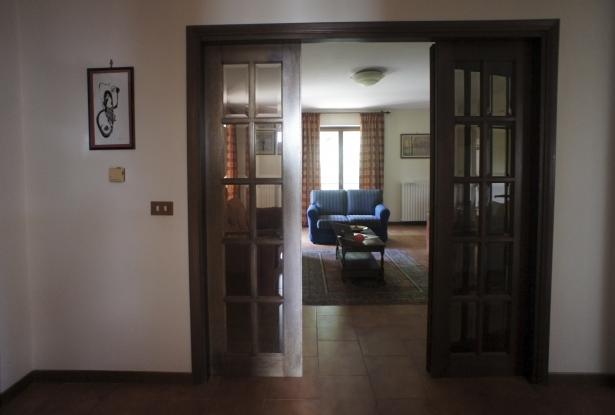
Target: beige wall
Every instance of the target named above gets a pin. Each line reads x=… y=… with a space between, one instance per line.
x=396 y=169
x=109 y=282
x=15 y=346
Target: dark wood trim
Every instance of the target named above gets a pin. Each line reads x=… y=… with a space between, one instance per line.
x=545 y=32
x=582 y=379
x=15 y=389
x=84 y=376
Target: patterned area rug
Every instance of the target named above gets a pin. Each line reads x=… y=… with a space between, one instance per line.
x=405 y=281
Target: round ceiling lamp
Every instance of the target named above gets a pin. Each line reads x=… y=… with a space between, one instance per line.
x=368 y=76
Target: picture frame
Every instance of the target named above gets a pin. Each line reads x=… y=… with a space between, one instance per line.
x=265 y=142
x=111 y=108
x=415 y=146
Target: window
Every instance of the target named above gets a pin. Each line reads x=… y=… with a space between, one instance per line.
x=339 y=158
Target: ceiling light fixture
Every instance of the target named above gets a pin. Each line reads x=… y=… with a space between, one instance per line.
x=368 y=76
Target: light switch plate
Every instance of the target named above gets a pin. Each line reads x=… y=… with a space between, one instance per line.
x=117 y=174
x=161 y=208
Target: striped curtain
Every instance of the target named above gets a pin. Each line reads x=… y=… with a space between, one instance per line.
x=311 y=160
x=231 y=159
x=372 y=151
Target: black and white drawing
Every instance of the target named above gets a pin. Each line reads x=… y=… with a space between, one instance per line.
x=111 y=108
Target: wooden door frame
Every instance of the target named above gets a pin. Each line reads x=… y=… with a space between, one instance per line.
x=545 y=33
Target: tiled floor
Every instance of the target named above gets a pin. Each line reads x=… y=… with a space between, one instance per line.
x=358 y=360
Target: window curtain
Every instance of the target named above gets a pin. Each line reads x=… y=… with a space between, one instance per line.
x=231 y=159
x=311 y=159
x=372 y=151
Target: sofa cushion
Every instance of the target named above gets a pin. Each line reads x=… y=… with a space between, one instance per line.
x=363 y=202
x=324 y=222
x=370 y=221
x=329 y=202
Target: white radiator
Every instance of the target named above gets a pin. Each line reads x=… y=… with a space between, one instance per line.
x=414 y=201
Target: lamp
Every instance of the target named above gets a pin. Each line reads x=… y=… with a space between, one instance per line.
x=368 y=76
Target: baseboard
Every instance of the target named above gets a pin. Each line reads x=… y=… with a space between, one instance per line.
x=84 y=376
x=418 y=222
x=15 y=389
x=590 y=379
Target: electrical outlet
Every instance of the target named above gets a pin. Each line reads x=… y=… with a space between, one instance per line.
x=161 y=208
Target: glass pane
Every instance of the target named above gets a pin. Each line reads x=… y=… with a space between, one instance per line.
x=269 y=211
x=499 y=219
x=236 y=208
x=270 y=270
x=500 y=83
x=463 y=327
x=498 y=268
x=329 y=160
x=268 y=90
x=475 y=93
x=351 y=153
x=460 y=95
x=237 y=268
x=466 y=204
x=460 y=150
x=236 y=87
x=239 y=327
x=270 y=328
x=268 y=149
x=237 y=152
x=501 y=151
x=496 y=320
x=465 y=268
x=467 y=155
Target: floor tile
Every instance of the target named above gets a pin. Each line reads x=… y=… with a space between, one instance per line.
x=310 y=341
x=340 y=358
x=309 y=316
x=292 y=407
x=342 y=388
x=406 y=407
x=396 y=377
x=294 y=388
x=337 y=332
x=381 y=341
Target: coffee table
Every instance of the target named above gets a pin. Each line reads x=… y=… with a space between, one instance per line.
x=356 y=257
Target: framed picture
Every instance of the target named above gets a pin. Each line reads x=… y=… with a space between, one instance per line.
x=415 y=145
x=111 y=108
x=265 y=142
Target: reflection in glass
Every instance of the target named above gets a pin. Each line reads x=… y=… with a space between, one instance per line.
x=239 y=327
x=236 y=208
x=475 y=93
x=270 y=270
x=501 y=151
x=237 y=151
x=467 y=154
x=270 y=328
x=460 y=92
x=499 y=217
x=465 y=268
x=463 y=327
x=268 y=149
x=235 y=90
x=237 y=269
x=496 y=320
x=268 y=90
x=500 y=95
x=269 y=211
x=498 y=268
x=466 y=199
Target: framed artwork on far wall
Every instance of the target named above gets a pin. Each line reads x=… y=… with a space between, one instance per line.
x=415 y=146
x=111 y=108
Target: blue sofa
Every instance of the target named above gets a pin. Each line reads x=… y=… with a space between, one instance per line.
x=353 y=207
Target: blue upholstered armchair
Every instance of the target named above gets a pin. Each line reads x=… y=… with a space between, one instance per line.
x=353 y=207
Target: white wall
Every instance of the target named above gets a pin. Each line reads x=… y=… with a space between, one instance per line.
x=15 y=346
x=110 y=283
x=396 y=169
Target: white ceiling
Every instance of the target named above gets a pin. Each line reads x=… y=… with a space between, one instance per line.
x=326 y=70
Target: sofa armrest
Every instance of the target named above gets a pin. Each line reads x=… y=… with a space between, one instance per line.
x=382 y=212
x=313 y=212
